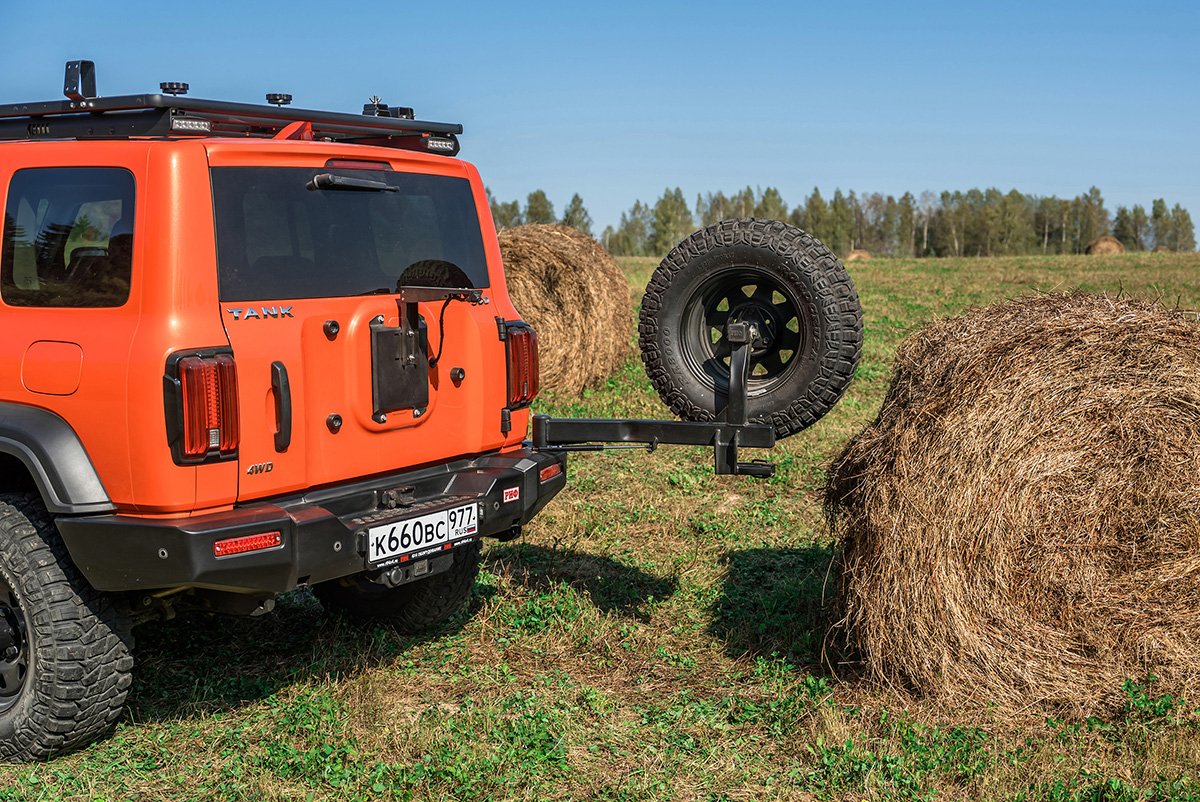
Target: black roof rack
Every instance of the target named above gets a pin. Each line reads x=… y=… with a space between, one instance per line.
x=163 y=115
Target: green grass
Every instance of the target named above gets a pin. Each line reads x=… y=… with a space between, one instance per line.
x=658 y=634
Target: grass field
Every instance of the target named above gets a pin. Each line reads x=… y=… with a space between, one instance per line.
x=655 y=635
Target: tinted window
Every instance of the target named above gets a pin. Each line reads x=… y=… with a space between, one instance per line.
x=277 y=239
x=68 y=237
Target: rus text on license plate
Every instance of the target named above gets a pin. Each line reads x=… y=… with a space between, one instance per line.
x=430 y=531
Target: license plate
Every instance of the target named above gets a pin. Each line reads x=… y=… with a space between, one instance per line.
x=424 y=534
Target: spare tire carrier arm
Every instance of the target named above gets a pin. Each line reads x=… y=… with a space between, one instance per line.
x=602 y=434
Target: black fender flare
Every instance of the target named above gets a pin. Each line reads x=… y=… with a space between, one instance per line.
x=56 y=459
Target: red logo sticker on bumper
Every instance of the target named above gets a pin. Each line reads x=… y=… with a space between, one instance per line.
x=512 y=494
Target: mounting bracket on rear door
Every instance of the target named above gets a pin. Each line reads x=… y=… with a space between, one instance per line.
x=399 y=355
x=599 y=434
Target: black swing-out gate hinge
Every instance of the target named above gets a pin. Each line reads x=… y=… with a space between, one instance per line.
x=602 y=434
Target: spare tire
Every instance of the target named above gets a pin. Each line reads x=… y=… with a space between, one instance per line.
x=781 y=279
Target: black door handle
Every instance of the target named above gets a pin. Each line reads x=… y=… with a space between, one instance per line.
x=283 y=406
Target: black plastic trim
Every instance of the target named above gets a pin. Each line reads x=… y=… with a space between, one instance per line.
x=55 y=457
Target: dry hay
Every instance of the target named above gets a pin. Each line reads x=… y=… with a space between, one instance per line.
x=857 y=255
x=1104 y=245
x=576 y=296
x=1161 y=249
x=1021 y=524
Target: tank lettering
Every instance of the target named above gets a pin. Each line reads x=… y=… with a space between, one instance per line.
x=262 y=313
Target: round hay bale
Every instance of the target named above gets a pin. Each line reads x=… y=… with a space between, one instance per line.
x=857 y=255
x=576 y=296
x=1021 y=524
x=1161 y=249
x=1104 y=245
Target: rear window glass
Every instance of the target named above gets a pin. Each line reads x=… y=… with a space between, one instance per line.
x=277 y=239
x=68 y=237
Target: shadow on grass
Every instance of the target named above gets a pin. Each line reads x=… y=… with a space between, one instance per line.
x=778 y=603
x=200 y=663
x=612 y=586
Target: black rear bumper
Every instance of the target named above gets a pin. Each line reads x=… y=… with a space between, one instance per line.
x=323 y=532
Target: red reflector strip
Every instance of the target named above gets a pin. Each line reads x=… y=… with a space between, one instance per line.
x=549 y=472
x=241 y=545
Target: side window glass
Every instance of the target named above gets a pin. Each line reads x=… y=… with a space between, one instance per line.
x=67 y=237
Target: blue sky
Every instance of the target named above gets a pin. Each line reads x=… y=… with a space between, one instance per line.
x=621 y=100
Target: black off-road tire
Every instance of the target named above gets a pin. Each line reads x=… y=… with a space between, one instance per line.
x=74 y=648
x=762 y=271
x=412 y=608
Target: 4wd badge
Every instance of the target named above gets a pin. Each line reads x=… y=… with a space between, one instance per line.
x=262 y=467
x=511 y=494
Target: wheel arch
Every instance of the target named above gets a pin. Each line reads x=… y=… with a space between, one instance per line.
x=53 y=458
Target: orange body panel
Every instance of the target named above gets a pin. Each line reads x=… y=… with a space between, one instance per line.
x=117 y=404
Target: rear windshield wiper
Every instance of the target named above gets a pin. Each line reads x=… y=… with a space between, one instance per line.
x=329 y=181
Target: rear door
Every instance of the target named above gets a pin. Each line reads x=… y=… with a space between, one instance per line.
x=334 y=381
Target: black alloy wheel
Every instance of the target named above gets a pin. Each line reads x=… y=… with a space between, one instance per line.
x=14 y=646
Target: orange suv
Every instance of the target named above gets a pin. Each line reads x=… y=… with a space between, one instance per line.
x=243 y=349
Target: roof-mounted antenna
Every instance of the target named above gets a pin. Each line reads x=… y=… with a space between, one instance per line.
x=80 y=80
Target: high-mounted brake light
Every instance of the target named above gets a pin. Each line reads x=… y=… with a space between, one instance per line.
x=208 y=392
x=247 y=543
x=358 y=164
x=521 y=342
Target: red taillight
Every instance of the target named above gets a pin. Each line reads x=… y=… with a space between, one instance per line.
x=241 y=545
x=210 y=414
x=522 y=366
x=549 y=472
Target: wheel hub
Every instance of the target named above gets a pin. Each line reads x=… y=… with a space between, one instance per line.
x=765 y=322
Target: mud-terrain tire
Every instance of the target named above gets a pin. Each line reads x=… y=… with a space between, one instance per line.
x=68 y=648
x=412 y=608
x=762 y=271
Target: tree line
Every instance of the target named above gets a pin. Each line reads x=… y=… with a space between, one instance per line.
x=972 y=223
x=539 y=209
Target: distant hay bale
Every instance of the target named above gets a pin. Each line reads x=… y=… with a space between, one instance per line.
x=1161 y=249
x=1021 y=524
x=1104 y=245
x=858 y=255
x=576 y=296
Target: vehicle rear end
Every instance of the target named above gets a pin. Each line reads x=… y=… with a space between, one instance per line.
x=371 y=387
